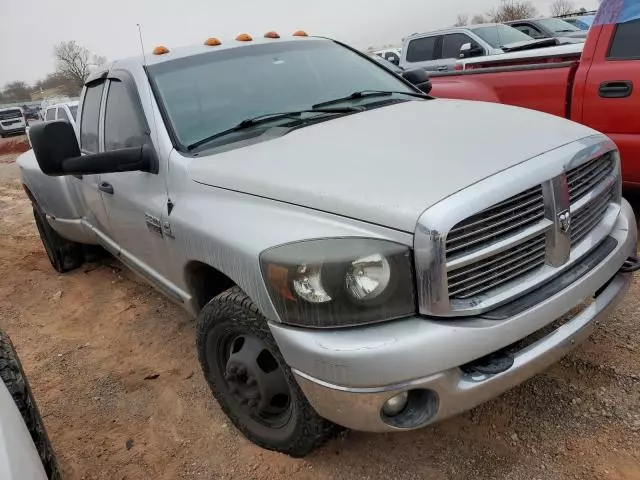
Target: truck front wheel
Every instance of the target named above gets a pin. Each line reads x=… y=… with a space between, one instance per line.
x=63 y=254
x=251 y=381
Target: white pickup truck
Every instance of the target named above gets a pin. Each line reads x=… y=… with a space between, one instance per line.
x=338 y=279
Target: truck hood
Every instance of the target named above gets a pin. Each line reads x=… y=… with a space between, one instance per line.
x=387 y=165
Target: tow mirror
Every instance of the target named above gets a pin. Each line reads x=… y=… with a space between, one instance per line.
x=57 y=152
x=468 y=50
x=419 y=78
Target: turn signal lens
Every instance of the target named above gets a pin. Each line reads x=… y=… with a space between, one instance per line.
x=212 y=42
x=244 y=37
x=160 y=50
x=271 y=35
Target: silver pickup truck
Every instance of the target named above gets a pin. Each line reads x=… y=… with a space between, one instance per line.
x=338 y=278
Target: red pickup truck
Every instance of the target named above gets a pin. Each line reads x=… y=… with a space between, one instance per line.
x=600 y=88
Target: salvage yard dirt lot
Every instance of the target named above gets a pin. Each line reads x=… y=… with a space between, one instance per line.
x=113 y=367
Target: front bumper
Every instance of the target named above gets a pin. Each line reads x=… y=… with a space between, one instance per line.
x=347 y=375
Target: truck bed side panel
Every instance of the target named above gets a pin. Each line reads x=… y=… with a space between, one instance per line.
x=512 y=86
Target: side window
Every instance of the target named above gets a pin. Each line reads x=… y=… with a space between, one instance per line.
x=422 y=49
x=62 y=115
x=51 y=115
x=124 y=124
x=451 y=44
x=90 y=114
x=625 y=45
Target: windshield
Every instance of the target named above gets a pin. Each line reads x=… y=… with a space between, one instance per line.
x=10 y=113
x=209 y=93
x=557 y=25
x=73 y=109
x=499 y=35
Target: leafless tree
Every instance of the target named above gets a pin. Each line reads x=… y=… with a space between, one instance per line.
x=562 y=7
x=461 y=20
x=16 y=92
x=477 y=19
x=75 y=62
x=512 y=10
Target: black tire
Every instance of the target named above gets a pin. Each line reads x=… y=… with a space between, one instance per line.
x=63 y=254
x=13 y=377
x=301 y=429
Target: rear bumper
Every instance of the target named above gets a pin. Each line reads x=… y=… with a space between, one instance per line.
x=347 y=375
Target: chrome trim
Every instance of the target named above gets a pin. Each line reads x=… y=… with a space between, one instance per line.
x=548 y=170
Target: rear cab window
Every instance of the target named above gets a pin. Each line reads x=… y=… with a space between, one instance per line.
x=90 y=117
x=51 y=115
x=423 y=49
x=62 y=115
x=625 y=44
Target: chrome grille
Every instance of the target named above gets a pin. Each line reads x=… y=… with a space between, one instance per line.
x=583 y=179
x=501 y=220
x=490 y=272
x=590 y=215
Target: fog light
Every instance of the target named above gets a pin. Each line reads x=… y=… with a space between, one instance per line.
x=395 y=405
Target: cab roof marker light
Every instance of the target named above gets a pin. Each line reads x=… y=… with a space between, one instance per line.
x=300 y=33
x=271 y=34
x=244 y=37
x=160 y=50
x=212 y=42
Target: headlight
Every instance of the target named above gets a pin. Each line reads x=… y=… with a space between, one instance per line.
x=339 y=282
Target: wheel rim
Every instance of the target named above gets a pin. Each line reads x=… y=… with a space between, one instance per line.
x=254 y=380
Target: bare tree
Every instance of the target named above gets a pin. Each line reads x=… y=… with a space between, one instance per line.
x=461 y=20
x=16 y=92
x=477 y=19
x=562 y=7
x=75 y=62
x=512 y=10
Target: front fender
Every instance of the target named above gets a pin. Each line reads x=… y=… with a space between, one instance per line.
x=228 y=230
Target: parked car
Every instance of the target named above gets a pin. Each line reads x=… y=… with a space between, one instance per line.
x=552 y=27
x=31 y=112
x=66 y=111
x=598 y=89
x=391 y=55
x=12 y=121
x=337 y=277
x=25 y=448
x=440 y=50
x=385 y=63
x=583 y=22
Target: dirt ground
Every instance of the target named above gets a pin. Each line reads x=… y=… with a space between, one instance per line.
x=92 y=342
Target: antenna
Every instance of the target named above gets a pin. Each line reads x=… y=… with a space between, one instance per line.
x=144 y=57
x=153 y=110
x=144 y=61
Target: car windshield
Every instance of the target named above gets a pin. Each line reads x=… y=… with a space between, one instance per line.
x=556 y=25
x=499 y=35
x=73 y=109
x=212 y=92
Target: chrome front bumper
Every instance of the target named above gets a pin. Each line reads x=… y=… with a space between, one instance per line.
x=347 y=375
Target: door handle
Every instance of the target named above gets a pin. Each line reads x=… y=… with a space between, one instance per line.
x=105 y=187
x=621 y=89
x=443 y=68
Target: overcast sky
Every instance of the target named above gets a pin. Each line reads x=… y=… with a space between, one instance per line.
x=30 y=29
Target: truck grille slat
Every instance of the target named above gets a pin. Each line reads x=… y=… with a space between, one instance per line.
x=504 y=221
x=505 y=218
x=525 y=266
x=589 y=217
x=583 y=179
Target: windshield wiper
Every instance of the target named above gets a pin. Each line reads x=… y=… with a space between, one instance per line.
x=566 y=31
x=270 y=117
x=369 y=93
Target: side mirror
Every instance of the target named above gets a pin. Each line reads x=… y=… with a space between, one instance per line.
x=419 y=78
x=57 y=152
x=468 y=50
